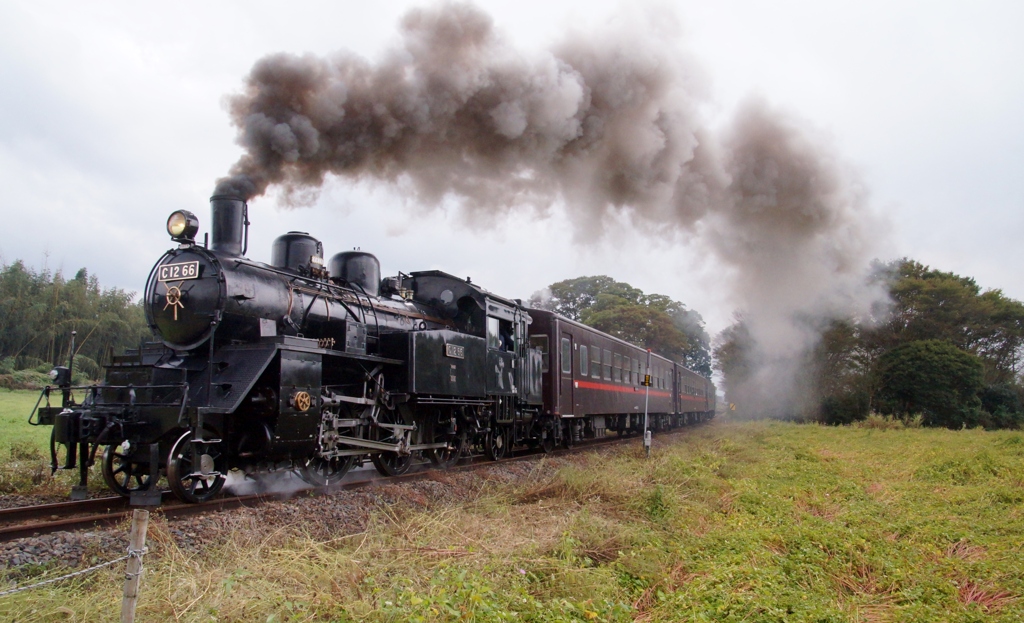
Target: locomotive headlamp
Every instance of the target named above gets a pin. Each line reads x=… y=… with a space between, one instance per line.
x=61 y=376
x=182 y=225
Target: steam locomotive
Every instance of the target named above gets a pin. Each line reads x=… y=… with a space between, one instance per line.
x=316 y=366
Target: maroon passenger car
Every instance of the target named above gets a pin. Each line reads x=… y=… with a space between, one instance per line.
x=593 y=382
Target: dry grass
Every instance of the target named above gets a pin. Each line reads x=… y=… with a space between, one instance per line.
x=735 y=523
x=971 y=593
x=965 y=551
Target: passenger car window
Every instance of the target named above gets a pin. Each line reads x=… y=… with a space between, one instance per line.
x=617 y=374
x=595 y=359
x=607 y=365
x=584 y=362
x=566 y=355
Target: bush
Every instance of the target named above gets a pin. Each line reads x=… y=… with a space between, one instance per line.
x=881 y=422
x=27 y=362
x=933 y=378
x=1002 y=407
x=844 y=409
x=1002 y=418
x=87 y=367
x=29 y=379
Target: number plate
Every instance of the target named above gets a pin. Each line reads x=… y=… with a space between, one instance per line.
x=455 y=351
x=178 y=272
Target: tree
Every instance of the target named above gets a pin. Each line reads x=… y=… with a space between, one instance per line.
x=929 y=304
x=638 y=324
x=571 y=297
x=935 y=379
x=39 y=310
x=850 y=371
x=653 y=321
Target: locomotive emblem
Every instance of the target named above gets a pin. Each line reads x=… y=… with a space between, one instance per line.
x=173 y=297
x=301 y=401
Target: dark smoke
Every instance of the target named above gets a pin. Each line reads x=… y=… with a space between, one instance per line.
x=606 y=123
x=454 y=111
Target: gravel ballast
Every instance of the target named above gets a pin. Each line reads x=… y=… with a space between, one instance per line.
x=322 y=518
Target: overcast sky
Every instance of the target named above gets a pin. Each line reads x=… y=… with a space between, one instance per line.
x=113 y=116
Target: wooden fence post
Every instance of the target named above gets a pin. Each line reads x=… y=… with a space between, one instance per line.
x=133 y=572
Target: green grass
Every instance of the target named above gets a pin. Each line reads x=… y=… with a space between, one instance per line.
x=15 y=405
x=731 y=522
x=25 y=449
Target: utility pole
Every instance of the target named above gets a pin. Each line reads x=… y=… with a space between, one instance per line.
x=647 y=399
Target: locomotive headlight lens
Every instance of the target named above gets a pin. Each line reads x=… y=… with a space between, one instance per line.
x=176 y=224
x=182 y=226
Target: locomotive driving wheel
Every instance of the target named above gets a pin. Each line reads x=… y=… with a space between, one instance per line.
x=447 y=430
x=122 y=474
x=324 y=472
x=321 y=472
x=195 y=483
x=389 y=463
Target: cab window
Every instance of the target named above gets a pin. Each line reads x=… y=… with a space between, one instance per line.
x=493 y=333
x=540 y=342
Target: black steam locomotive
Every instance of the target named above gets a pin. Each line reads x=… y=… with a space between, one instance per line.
x=314 y=366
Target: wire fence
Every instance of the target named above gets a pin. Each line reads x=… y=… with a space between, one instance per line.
x=132 y=553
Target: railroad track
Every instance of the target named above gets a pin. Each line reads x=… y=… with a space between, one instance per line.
x=27 y=521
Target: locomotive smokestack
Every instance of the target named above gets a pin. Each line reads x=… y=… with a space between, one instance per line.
x=230 y=225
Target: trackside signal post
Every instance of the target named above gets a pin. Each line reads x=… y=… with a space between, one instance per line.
x=647 y=399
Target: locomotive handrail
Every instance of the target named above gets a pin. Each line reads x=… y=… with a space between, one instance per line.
x=320 y=292
x=98 y=386
x=278 y=271
x=149 y=280
x=35 y=409
x=309 y=281
x=376 y=321
x=331 y=290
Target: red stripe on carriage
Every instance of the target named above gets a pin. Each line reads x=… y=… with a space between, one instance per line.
x=618 y=388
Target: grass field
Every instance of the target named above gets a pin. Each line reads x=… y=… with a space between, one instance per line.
x=731 y=522
x=14 y=428
x=25 y=449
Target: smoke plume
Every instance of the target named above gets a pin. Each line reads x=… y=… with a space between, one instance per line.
x=606 y=123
